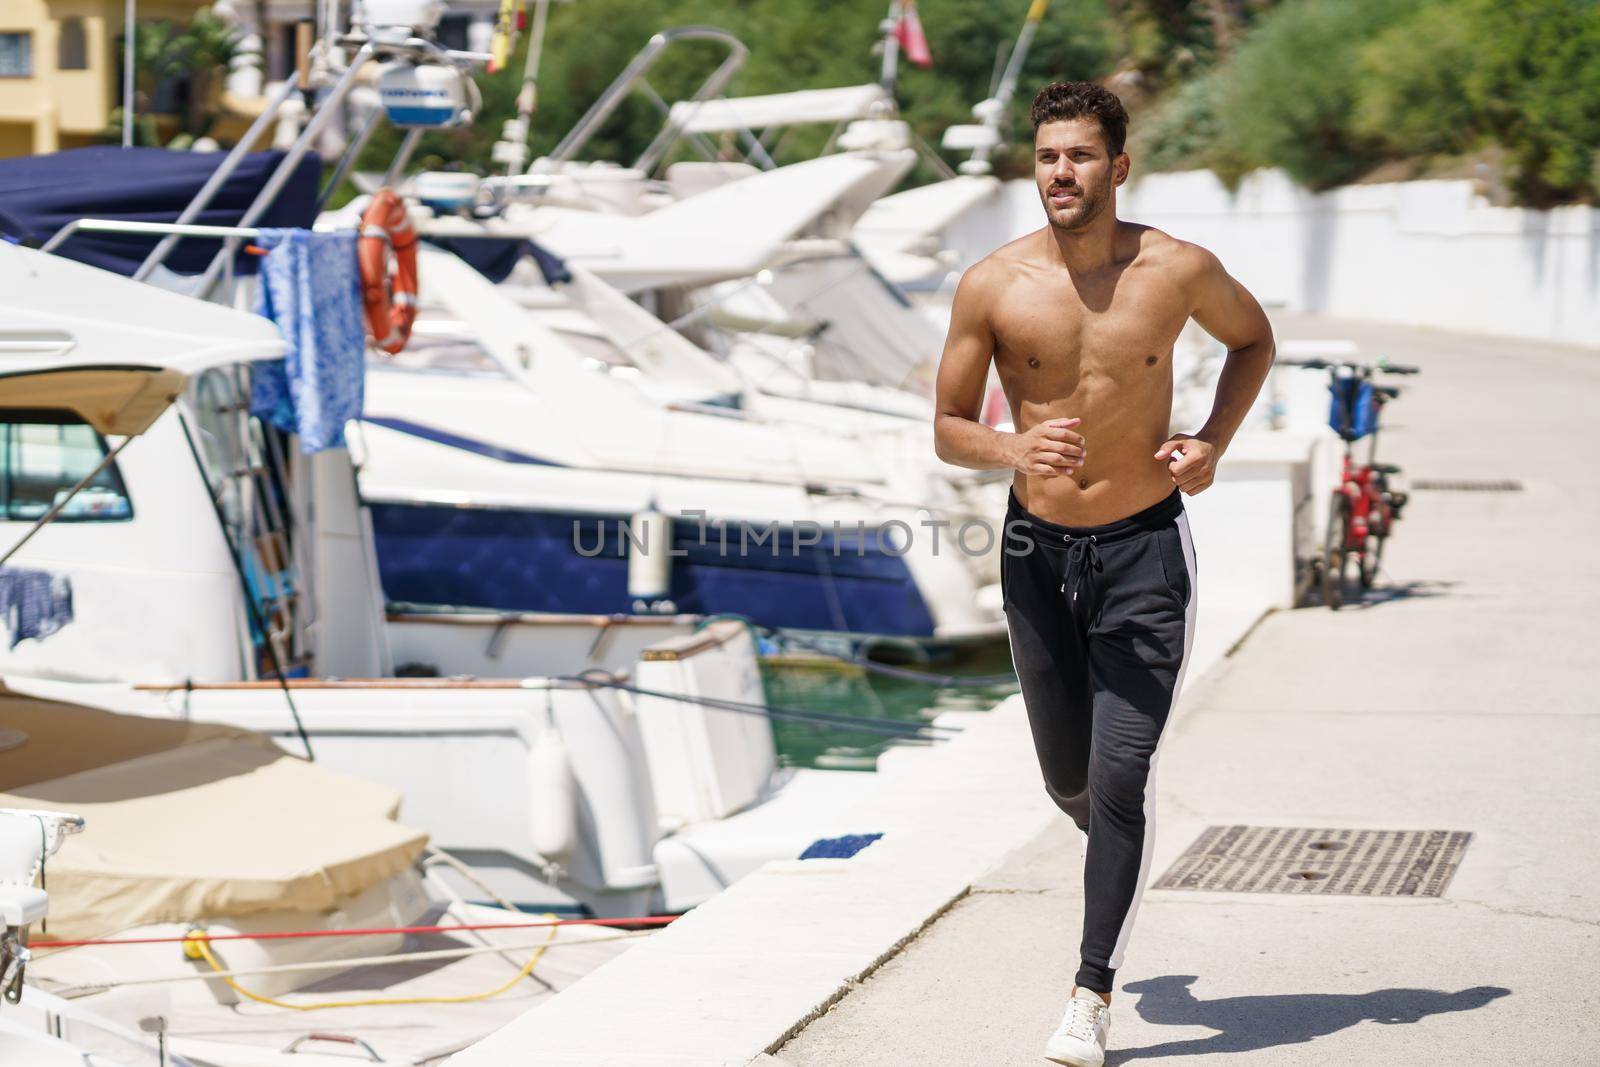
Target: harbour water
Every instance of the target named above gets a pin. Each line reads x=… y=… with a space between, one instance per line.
x=846 y=688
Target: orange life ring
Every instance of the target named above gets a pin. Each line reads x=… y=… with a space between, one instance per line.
x=391 y=304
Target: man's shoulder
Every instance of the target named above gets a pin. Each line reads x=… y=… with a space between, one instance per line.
x=1167 y=253
x=1003 y=263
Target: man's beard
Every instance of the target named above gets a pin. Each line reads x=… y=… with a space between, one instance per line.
x=1088 y=208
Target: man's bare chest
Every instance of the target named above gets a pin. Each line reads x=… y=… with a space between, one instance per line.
x=1064 y=331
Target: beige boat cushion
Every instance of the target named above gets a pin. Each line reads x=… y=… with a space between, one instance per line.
x=197 y=822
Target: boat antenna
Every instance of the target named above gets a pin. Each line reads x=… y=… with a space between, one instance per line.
x=891 y=47
x=528 y=98
x=128 y=22
x=991 y=111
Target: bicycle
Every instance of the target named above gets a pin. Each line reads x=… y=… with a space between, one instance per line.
x=1365 y=505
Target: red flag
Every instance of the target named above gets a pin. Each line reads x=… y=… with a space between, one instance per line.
x=908 y=31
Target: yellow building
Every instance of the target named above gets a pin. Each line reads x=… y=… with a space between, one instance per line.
x=60 y=69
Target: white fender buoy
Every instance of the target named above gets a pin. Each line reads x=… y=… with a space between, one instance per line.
x=649 y=558
x=552 y=796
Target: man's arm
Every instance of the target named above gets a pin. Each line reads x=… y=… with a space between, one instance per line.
x=1050 y=448
x=1226 y=310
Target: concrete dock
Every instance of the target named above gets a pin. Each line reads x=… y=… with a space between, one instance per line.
x=1464 y=696
x=1461 y=696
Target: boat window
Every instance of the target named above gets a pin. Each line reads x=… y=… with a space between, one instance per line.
x=220 y=401
x=442 y=346
x=42 y=458
x=596 y=347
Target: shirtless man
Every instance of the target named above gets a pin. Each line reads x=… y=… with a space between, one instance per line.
x=1098 y=576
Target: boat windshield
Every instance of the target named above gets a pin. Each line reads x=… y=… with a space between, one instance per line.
x=439 y=344
x=42 y=456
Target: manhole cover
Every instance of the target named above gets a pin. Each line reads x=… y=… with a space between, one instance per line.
x=1298 y=859
x=1468 y=485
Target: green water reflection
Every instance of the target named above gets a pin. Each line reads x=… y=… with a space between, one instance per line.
x=847 y=690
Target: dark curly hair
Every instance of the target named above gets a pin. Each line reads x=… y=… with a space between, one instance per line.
x=1073 y=100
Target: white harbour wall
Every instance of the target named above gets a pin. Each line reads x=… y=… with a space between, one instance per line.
x=1424 y=253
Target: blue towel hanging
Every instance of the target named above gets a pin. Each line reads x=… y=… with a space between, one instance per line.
x=310 y=287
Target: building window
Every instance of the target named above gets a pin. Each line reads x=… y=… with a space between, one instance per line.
x=45 y=454
x=16 y=55
x=281 y=60
x=72 y=49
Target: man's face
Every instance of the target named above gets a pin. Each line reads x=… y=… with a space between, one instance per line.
x=1075 y=174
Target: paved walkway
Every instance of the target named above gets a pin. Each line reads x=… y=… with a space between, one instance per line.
x=1463 y=698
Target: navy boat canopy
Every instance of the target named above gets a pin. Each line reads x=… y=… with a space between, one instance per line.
x=496 y=257
x=41 y=194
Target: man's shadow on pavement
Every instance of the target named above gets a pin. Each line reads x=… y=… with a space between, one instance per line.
x=1258 y=1022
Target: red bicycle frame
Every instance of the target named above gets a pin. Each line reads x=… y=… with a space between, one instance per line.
x=1370 y=514
x=1364 y=508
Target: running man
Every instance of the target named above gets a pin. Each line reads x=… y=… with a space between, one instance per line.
x=1098 y=576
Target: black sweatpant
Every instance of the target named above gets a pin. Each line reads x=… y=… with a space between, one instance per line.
x=1101 y=621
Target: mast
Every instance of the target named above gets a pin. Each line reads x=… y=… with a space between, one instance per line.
x=992 y=110
x=891 y=46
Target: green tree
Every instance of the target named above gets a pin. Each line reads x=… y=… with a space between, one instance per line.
x=1289 y=96
x=1186 y=131
x=197 y=54
x=1412 y=79
x=1328 y=89
x=792 y=46
x=1534 y=86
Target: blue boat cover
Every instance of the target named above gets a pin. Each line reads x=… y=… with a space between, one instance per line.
x=493 y=257
x=496 y=257
x=41 y=194
x=550 y=265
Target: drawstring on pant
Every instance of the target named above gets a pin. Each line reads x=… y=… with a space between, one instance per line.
x=1083 y=555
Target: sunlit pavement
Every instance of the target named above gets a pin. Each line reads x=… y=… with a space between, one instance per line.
x=1462 y=696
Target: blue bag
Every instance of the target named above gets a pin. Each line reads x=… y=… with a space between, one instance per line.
x=1354 y=411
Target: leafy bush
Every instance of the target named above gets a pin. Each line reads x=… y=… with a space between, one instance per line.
x=1534 y=86
x=1290 y=94
x=1327 y=89
x=1412 y=84
x=1188 y=131
x=1525 y=75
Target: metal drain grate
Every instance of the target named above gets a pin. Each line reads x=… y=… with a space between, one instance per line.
x=1468 y=485
x=1297 y=859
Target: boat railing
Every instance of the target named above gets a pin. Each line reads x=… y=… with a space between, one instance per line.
x=328 y=107
x=633 y=77
x=173 y=229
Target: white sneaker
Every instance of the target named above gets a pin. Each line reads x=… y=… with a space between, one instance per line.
x=1080 y=1040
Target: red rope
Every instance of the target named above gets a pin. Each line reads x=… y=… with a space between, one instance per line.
x=646 y=920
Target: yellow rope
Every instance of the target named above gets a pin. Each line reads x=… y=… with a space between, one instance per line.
x=196 y=946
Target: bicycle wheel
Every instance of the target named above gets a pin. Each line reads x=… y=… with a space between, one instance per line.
x=1333 y=552
x=1370 y=558
x=1379 y=524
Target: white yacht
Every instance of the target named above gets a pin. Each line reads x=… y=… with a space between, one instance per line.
x=207 y=904
x=649 y=784
x=201 y=908
x=511 y=441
